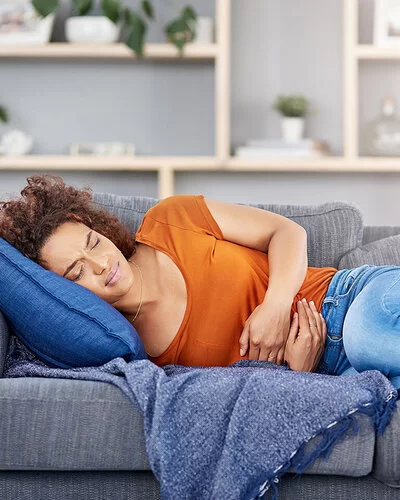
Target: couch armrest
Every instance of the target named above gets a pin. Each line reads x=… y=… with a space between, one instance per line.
x=4 y=338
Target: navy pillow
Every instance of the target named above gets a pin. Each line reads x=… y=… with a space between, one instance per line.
x=63 y=323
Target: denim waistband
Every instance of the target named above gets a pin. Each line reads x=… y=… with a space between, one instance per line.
x=345 y=285
x=350 y=282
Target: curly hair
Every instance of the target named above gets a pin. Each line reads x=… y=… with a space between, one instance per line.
x=45 y=204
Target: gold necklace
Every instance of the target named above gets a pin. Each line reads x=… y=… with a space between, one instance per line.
x=141 y=290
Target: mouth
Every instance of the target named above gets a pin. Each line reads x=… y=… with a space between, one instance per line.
x=114 y=275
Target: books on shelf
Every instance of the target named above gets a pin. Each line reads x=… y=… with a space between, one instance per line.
x=276 y=148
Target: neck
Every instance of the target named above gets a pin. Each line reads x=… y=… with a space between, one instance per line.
x=146 y=292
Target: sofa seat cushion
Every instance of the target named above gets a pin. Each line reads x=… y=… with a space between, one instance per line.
x=387 y=457
x=61 y=424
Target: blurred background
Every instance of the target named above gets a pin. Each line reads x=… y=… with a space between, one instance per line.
x=166 y=107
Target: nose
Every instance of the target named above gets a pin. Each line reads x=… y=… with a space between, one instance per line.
x=99 y=264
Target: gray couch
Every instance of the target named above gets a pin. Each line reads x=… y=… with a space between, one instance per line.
x=68 y=439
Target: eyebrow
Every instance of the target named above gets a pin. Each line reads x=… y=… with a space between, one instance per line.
x=69 y=268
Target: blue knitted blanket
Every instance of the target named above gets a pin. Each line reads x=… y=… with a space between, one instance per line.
x=232 y=432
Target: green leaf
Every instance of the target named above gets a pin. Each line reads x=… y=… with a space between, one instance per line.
x=82 y=7
x=45 y=7
x=3 y=114
x=112 y=9
x=175 y=26
x=138 y=31
x=148 y=9
x=188 y=13
x=291 y=105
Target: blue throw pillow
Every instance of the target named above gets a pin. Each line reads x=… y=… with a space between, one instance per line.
x=63 y=323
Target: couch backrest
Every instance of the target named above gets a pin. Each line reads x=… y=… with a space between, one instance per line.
x=333 y=228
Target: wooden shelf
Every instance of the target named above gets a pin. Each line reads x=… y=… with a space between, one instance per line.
x=192 y=51
x=197 y=163
x=330 y=164
x=372 y=52
x=93 y=162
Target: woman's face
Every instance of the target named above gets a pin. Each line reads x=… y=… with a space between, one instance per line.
x=81 y=255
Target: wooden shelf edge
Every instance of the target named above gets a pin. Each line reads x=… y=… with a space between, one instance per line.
x=93 y=162
x=196 y=163
x=372 y=52
x=111 y=50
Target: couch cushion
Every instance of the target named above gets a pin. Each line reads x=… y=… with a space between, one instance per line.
x=387 y=456
x=373 y=233
x=61 y=424
x=333 y=228
x=381 y=252
x=63 y=323
x=4 y=338
x=128 y=209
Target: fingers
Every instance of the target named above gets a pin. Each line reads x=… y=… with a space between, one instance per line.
x=268 y=355
x=311 y=319
x=294 y=328
x=254 y=351
x=244 y=340
x=280 y=356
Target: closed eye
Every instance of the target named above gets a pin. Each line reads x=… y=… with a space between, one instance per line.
x=82 y=269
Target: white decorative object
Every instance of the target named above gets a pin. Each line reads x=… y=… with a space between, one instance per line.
x=204 y=30
x=102 y=148
x=91 y=29
x=292 y=128
x=20 y=24
x=387 y=23
x=15 y=142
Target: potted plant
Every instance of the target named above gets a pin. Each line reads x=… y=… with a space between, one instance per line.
x=107 y=28
x=293 y=109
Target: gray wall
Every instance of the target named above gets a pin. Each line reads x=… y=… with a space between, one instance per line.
x=278 y=46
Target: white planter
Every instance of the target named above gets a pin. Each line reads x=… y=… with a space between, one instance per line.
x=292 y=129
x=91 y=29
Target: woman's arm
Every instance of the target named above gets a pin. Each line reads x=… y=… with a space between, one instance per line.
x=286 y=245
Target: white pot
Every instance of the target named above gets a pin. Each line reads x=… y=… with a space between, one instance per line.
x=91 y=29
x=15 y=142
x=292 y=128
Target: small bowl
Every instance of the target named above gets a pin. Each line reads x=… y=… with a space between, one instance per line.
x=91 y=29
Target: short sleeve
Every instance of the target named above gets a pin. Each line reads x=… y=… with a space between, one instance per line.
x=188 y=212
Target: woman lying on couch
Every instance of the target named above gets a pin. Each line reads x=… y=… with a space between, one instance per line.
x=198 y=285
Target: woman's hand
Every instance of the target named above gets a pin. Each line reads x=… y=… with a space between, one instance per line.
x=307 y=336
x=265 y=332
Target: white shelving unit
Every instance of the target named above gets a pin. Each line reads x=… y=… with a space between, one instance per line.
x=219 y=54
x=165 y=166
x=353 y=54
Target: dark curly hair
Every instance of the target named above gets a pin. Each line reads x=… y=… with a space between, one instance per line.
x=46 y=203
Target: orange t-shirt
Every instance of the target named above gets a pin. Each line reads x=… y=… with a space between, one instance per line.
x=224 y=281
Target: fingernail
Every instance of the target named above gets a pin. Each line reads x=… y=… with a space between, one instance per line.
x=242 y=351
x=304 y=300
x=312 y=302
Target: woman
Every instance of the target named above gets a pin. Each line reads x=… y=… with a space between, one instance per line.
x=196 y=281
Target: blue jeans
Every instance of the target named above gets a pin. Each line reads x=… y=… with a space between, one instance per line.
x=362 y=314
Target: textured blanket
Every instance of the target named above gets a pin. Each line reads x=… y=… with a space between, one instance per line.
x=232 y=432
